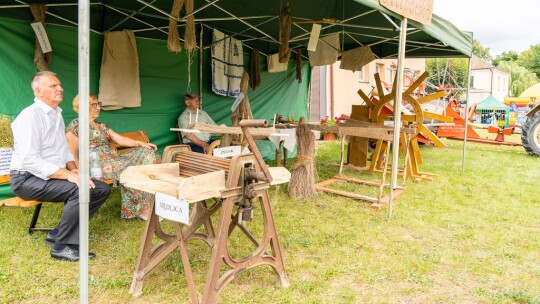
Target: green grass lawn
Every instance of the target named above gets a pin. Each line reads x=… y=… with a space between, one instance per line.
x=471 y=237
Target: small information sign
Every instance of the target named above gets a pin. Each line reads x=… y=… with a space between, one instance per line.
x=42 y=37
x=5 y=160
x=237 y=101
x=171 y=208
x=227 y=151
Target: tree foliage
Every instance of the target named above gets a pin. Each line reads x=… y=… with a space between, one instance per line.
x=453 y=72
x=480 y=51
x=524 y=69
x=448 y=72
x=505 y=56
x=531 y=59
x=521 y=78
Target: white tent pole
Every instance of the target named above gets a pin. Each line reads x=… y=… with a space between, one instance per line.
x=466 y=125
x=396 y=27
x=84 y=192
x=200 y=65
x=397 y=111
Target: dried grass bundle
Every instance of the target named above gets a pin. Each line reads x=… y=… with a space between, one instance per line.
x=254 y=72
x=299 y=65
x=302 y=184
x=6 y=137
x=190 y=40
x=243 y=111
x=284 y=34
x=173 y=42
x=42 y=60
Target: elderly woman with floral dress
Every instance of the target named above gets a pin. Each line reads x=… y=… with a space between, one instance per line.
x=135 y=203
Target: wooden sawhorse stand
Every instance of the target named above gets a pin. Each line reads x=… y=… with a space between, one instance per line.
x=364 y=130
x=268 y=252
x=247 y=182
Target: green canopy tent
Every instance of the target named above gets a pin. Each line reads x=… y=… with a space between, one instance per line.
x=493 y=111
x=360 y=22
x=163 y=76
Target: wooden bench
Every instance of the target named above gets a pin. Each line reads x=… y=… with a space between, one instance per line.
x=140 y=135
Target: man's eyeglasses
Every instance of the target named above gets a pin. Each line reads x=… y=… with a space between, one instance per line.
x=95 y=104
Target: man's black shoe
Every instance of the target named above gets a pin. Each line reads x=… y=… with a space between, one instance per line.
x=50 y=239
x=91 y=255
x=66 y=254
x=69 y=253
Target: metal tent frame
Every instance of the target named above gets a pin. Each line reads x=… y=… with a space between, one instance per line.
x=359 y=23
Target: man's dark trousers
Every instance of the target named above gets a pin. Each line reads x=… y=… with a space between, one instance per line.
x=30 y=187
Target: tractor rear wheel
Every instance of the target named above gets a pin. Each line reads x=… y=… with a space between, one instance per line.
x=530 y=134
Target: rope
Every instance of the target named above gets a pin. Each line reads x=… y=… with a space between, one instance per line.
x=303 y=158
x=190 y=55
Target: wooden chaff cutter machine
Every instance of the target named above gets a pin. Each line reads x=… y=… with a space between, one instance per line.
x=232 y=185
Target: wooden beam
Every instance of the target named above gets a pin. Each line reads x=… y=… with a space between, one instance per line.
x=431 y=97
x=439 y=117
x=207 y=128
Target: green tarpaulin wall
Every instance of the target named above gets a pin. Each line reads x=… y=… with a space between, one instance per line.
x=164 y=80
x=5 y=191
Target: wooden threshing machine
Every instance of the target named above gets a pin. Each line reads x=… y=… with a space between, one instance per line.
x=234 y=187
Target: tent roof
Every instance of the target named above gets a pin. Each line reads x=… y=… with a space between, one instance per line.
x=255 y=22
x=533 y=91
x=491 y=103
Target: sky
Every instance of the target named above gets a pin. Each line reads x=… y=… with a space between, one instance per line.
x=500 y=25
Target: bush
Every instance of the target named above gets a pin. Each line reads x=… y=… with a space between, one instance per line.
x=6 y=137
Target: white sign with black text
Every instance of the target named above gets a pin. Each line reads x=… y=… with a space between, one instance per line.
x=5 y=160
x=230 y=151
x=171 y=208
x=227 y=151
x=237 y=101
x=42 y=37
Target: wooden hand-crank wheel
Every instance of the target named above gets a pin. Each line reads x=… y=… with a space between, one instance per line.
x=381 y=111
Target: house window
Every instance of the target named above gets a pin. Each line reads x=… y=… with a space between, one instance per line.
x=391 y=73
x=408 y=77
x=379 y=68
x=472 y=82
x=361 y=75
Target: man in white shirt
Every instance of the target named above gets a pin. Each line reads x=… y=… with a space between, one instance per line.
x=199 y=142
x=43 y=168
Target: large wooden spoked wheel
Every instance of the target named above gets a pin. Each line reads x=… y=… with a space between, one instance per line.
x=382 y=111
